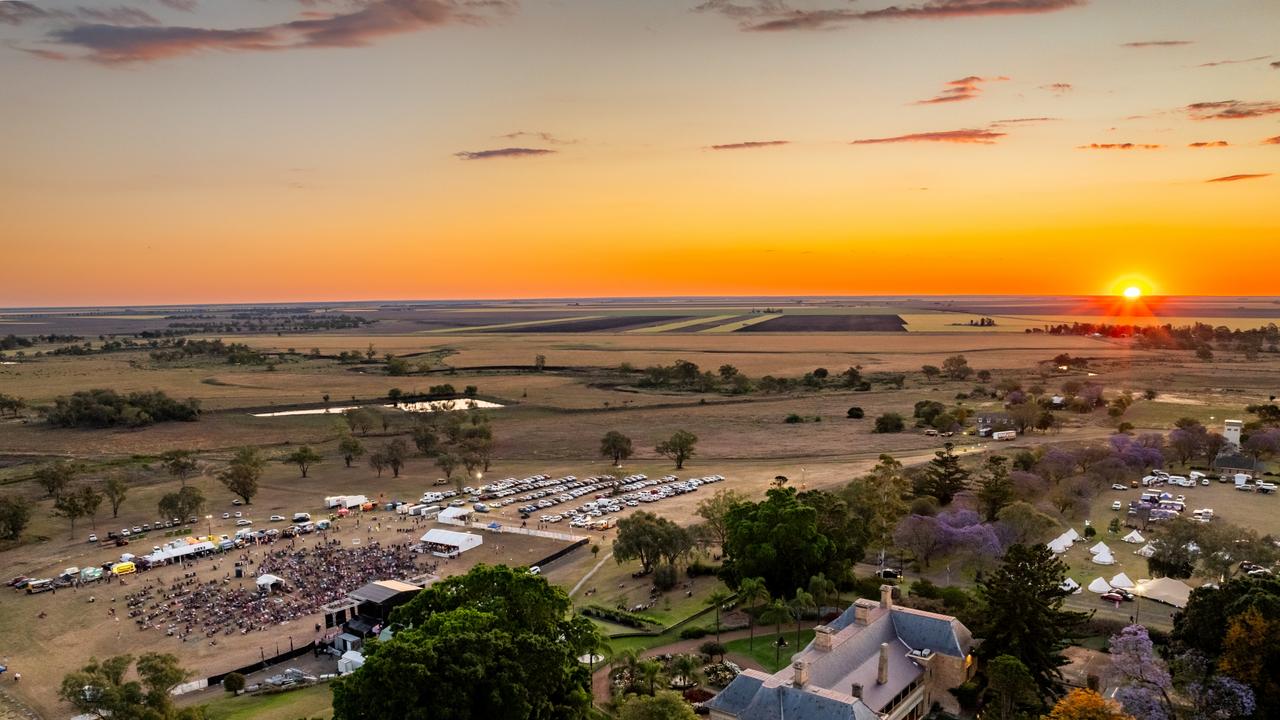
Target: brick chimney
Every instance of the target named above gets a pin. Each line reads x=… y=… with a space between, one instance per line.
x=801 y=677
x=862 y=610
x=883 y=676
x=886 y=596
x=822 y=637
x=856 y=690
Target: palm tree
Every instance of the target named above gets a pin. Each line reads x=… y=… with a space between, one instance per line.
x=686 y=666
x=776 y=613
x=628 y=659
x=802 y=602
x=650 y=670
x=717 y=600
x=752 y=592
x=822 y=589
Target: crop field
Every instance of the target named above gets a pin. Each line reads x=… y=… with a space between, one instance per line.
x=828 y=323
x=591 y=324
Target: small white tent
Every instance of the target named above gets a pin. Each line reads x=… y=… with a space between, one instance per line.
x=350 y=661
x=269 y=582
x=1071 y=534
x=1101 y=547
x=1121 y=581
x=1059 y=545
x=1104 y=558
x=1071 y=585
x=1099 y=586
x=1146 y=550
x=1134 y=537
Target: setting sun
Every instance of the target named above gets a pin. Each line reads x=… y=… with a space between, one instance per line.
x=1133 y=292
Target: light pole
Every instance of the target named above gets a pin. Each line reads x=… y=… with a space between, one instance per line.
x=209 y=520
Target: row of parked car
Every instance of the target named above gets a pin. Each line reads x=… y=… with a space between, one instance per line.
x=631 y=492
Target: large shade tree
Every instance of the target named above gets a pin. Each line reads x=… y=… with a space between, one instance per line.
x=493 y=643
x=777 y=540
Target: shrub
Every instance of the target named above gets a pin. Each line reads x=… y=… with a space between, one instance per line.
x=925 y=505
x=967 y=694
x=693 y=633
x=665 y=577
x=621 y=617
x=233 y=682
x=793 y=418
x=697 y=568
x=855 y=413
x=890 y=423
x=712 y=649
x=107 y=408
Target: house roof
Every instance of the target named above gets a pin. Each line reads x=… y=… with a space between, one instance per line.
x=853 y=659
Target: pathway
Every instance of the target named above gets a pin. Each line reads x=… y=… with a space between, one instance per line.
x=590 y=572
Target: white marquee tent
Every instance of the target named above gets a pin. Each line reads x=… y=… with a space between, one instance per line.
x=1059 y=545
x=1101 y=547
x=1071 y=586
x=448 y=543
x=1104 y=558
x=1071 y=534
x=1166 y=590
x=1146 y=550
x=1099 y=586
x=1121 y=581
x=1134 y=537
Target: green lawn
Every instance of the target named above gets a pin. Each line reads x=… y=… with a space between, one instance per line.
x=764 y=652
x=309 y=702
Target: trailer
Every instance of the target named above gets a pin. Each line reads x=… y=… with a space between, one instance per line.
x=1004 y=435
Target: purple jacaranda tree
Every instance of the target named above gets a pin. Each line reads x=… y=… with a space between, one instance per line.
x=1263 y=444
x=1140 y=453
x=1057 y=464
x=1143 y=680
x=1221 y=698
x=925 y=537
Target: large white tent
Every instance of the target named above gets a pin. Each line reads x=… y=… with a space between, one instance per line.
x=1071 y=534
x=267 y=581
x=1099 y=586
x=1166 y=590
x=1101 y=547
x=448 y=543
x=1121 y=581
x=1071 y=586
x=1059 y=545
x=1146 y=550
x=1104 y=558
x=1134 y=537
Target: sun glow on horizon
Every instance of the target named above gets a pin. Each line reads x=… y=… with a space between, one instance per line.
x=1133 y=292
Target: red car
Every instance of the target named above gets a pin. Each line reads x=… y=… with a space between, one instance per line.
x=1114 y=596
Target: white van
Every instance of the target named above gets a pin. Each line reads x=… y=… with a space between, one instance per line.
x=301 y=517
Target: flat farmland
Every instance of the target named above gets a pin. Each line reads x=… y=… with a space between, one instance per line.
x=828 y=323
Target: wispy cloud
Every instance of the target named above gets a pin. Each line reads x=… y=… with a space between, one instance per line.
x=365 y=22
x=964 y=137
x=1210 y=144
x=777 y=15
x=966 y=88
x=1023 y=121
x=182 y=5
x=1235 y=178
x=1276 y=64
x=1119 y=146
x=17 y=12
x=1272 y=141
x=510 y=152
x=1157 y=43
x=119 y=15
x=1216 y=63
x=545 y=137
x=1232 y=109
x=1060 y=88
x=748 y=145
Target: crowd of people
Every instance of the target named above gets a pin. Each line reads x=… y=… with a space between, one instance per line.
x=191 y=608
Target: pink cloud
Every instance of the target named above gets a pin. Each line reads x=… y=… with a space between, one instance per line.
x=749 y=145
x=963 y=89
x=964 y=137
x=1236 y=178
x=776 y=15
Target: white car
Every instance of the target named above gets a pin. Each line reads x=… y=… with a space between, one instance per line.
x=1118 y=486
x=244 y=521
x=226 y=516
x=237 y=513
x=277 y=518
x=1116 y=505
x=93 y=537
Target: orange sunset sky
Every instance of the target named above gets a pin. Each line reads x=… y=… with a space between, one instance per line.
x=179 y=151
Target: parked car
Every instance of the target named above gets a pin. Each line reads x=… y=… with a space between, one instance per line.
x=237 y=501
x=277 y=518
x=1112 y=596
x=244 y=521
x=93 y=537
x=237 y=513
x=1117 y=505
x=1119 y=486
x=226 y=516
